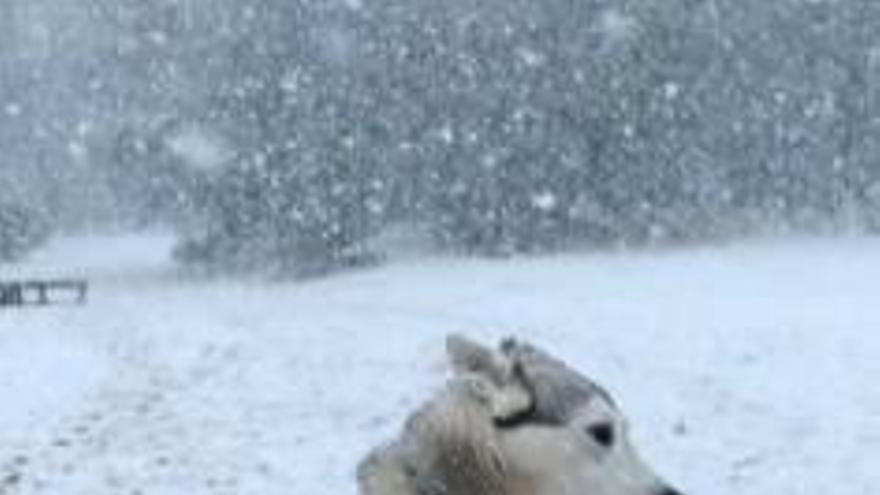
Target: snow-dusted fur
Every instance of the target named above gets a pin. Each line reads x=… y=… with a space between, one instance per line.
x=515 y=421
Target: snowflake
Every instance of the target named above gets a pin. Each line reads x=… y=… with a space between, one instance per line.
x=671 y=90
x=545 y=201
x=13 y=110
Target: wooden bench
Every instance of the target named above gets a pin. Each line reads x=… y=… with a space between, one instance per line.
x=40 y=292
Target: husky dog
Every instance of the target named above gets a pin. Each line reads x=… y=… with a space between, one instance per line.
x=515 y=421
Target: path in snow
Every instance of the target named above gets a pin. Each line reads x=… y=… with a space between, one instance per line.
x=744 y=369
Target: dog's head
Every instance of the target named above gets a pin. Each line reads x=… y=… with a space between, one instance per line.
x=558 y=433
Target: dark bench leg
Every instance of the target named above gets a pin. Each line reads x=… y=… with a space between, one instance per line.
x=11 y=295
x=43 y=295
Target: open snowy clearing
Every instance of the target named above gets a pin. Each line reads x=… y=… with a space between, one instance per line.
x=747 y=369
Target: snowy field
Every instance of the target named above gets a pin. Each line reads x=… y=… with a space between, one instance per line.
x=747 y=369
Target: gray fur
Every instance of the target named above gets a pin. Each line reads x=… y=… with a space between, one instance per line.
x=556 y=389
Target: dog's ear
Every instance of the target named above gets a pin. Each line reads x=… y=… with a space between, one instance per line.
x=556 y=389
x=500 y=380
x=532 y=359
x=468 y=356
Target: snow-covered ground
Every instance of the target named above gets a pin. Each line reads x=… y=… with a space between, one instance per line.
x=746 y=369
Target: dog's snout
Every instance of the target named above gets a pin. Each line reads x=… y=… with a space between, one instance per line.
x=669 y=491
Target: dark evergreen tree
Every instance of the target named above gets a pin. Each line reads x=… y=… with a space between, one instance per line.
x=22 y=229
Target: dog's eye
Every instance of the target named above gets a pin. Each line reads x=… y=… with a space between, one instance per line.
x=602 y=433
